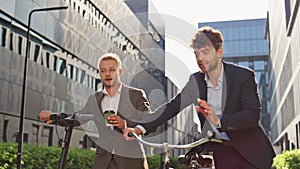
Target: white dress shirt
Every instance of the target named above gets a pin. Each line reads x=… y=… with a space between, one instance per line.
x=111 y=102
x=214 y=99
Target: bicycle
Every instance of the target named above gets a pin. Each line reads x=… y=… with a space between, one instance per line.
x=69 y=121
x=193 y=161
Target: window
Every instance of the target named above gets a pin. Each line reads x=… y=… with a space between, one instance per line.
x=76 y=73
x=11 y=41
x=93 y=83
x=36 y=53
x=98 y=85
x=82 y=77
x=257 y=76
x=5 y=125
x=54 y=63
x=259 y=65
x=291 y=10
x=47 y=135
x=3 y=37
x=287 y=11
x=25 y=137
x=20 y=40
x=70 y=71
x=46 y=60
x=88 y=80
x=35 y=133
x=297 y=135
x=62 y=67
x=244 y=63
x=88 y=142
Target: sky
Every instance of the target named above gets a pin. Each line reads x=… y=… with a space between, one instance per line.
x=196 y=11
x=181 y=18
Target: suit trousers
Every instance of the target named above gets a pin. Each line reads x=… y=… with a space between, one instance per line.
x=119 y=162
x=226 y=157
x=112 y=164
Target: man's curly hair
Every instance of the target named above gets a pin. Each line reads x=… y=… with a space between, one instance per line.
x=207 y=36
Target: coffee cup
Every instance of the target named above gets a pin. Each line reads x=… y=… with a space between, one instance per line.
x=106 y=114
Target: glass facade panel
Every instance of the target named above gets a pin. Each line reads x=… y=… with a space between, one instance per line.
x=243 y=37
x=243 y=63
x=259 y=65
x=257 y=77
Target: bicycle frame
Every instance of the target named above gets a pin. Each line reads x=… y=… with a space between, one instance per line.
x=167 y=147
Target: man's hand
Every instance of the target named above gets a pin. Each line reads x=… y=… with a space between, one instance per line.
x=208 y=112
x=130 y=130
x=45 y=116
x=116 y=121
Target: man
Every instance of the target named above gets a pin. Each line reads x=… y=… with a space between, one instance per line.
x=130 y=105
x=227 y=102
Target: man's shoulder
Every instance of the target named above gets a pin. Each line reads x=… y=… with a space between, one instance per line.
x=97 y=94
x=197 y=77
x=197 y=74
x=235 y=68
x=132 y=89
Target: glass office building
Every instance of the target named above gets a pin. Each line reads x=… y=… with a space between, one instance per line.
x=283 y=32
x=62 y=60
x=62 y=64
x=245 y=44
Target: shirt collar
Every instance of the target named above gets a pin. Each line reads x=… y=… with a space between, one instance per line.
x=119 y=90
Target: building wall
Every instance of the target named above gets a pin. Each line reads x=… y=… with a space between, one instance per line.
x=64 y=48
x=62 y=70
x=284 y=77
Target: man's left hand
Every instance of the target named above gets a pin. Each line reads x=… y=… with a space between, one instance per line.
x=208 y=112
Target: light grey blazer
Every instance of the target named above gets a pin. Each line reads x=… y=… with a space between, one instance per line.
x=133 y=107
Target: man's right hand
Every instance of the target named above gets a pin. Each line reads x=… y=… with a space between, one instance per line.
x=45 y=116
x=130 y=130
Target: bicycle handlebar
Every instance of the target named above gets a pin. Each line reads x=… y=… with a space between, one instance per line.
x=209 y=138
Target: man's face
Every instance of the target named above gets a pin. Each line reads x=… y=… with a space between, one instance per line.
x=110 y=73
x=207 y=58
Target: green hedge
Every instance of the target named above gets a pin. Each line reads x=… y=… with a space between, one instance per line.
x=288 y=160
x=154 y=162
x=44 y=157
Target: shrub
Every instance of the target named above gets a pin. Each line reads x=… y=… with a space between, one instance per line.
x=8 y=155
x=288 y=160
x=154 y=162
x=43 y=157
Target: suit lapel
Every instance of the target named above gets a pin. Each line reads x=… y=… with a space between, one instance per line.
x=124 y=99
x=224 y=93
x=123 y=104
x=99 y=98
x=227 y=83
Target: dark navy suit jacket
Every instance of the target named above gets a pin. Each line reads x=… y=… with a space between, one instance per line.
x=240 y=117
